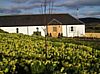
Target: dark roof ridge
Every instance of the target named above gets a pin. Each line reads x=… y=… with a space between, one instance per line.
x=77 y=19
x=37 y=20
x=36 y=14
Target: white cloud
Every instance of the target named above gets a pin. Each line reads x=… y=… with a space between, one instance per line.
x=19 y=1
x=78 y=3
x=9 y=11
x=30 y=6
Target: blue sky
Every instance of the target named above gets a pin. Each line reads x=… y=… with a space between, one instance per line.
x=86 y=8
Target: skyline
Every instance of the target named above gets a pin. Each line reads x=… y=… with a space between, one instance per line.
x=77 y=8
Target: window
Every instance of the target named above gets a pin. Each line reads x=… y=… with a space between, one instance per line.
x=17 y=30
x=89 y=27
x=97 y=28
x=54 y=29
x=72 y=28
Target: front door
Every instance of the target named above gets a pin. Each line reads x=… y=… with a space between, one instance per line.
x=54 y=30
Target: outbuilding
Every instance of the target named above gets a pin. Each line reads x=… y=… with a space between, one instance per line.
x=51 y=24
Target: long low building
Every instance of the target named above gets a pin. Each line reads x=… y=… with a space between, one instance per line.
x=51 y=24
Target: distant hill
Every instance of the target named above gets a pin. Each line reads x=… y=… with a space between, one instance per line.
x=91 y=24
x=90 y=20
x=2 y=31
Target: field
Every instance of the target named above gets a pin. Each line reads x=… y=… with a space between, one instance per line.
x=97 y=35
x=23 y=54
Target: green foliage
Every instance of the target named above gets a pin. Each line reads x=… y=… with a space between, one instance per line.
x=2 y=31
x=27 y=54
x=37 y=67
x=37 y=33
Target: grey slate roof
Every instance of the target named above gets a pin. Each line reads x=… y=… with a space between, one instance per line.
x=37 y=20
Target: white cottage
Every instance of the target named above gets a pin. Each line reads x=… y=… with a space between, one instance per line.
x=55 y=24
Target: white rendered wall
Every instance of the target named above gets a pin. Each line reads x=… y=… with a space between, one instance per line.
x=79 y=30
x=23 y=30
x=64 y=30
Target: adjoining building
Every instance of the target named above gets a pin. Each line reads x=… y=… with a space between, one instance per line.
x=55 y=24
x=92 y=27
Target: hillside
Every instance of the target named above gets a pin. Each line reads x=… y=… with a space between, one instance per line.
x=92 y=24
x=90 y=20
